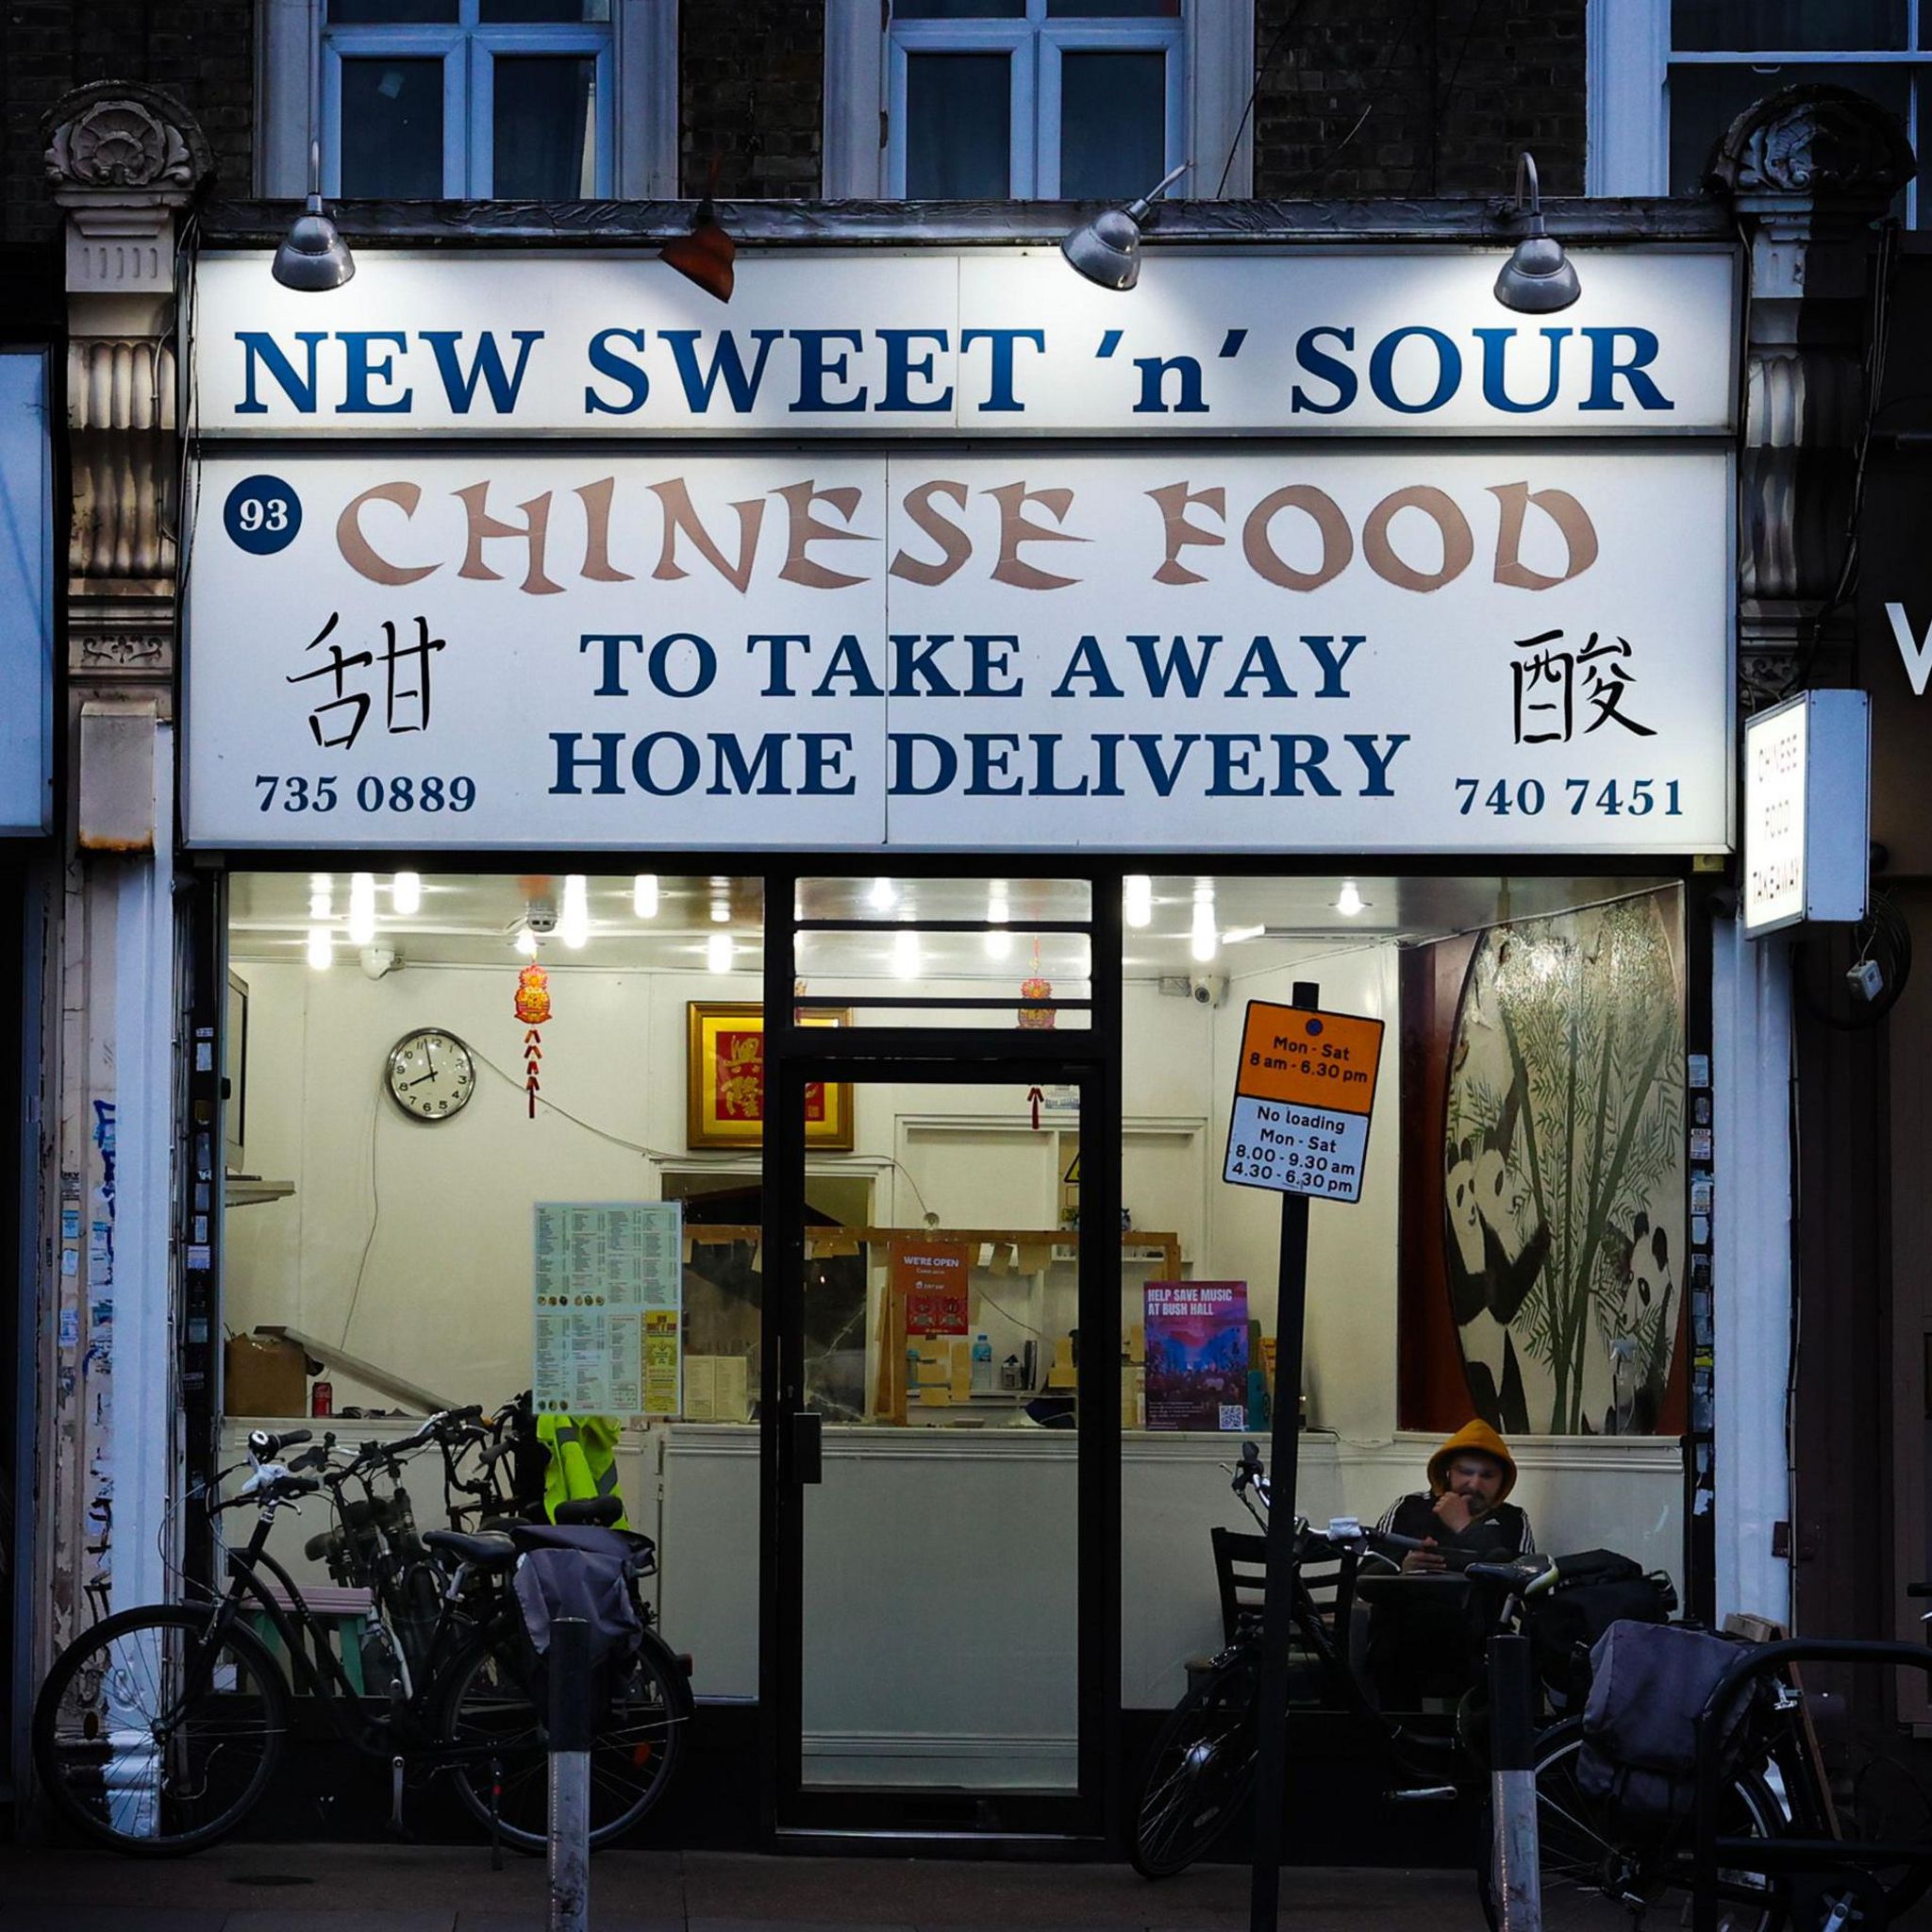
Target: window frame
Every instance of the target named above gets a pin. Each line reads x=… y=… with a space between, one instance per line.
x=1630 y=63
x=1211 y=72
x=636 y=110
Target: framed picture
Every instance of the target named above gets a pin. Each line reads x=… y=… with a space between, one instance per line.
x=724 y=1080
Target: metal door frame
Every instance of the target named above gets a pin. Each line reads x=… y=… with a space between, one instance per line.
x=1090 y=1058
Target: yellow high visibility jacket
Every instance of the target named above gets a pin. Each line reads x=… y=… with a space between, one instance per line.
x=582 y=1458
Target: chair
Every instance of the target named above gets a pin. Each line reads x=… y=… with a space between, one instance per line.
x=1240 y=1567
x=341 y=1613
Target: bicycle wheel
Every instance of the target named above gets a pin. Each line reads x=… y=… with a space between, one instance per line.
x=155 y=1738
x=635 y=1751
x=1597 y=1877
x=1199 y=1774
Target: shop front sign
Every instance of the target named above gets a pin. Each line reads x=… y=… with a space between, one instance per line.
x=1458 y=646
x=26 y=617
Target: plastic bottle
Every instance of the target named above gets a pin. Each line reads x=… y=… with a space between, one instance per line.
x=982 y=1365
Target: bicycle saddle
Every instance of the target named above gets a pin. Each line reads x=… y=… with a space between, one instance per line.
x=485 y=1552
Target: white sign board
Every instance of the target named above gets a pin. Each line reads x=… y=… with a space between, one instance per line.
x=608 y=1285
x=26 y=608
x=995 y=341
x=1807 y=810
x=1328 y=650
x=1304 y=1088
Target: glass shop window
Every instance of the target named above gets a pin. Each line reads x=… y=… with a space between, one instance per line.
x=427 y=100
x=1014 y=99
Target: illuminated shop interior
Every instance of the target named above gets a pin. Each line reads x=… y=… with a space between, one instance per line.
x=396 y=1245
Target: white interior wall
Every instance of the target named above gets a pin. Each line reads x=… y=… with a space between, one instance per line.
x=444 y=1265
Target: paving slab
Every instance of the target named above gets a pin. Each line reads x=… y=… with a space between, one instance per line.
x=17 y=1918
x=356 y=1919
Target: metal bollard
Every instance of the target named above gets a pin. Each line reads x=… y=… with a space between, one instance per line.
x=570 y=1775
x=1516 y=1867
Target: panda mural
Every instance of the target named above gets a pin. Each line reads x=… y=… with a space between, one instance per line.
x=1563 y=1169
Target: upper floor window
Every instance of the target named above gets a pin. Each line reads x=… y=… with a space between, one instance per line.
x=1725 y=54
x=426 y=100
x=1010 y=99
x=1668 y=76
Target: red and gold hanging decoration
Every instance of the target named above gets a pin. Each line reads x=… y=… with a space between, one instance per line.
x=533 y=1010
x=1036 y=985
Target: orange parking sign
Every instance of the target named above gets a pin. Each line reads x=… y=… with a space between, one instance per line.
x=1316 y=1059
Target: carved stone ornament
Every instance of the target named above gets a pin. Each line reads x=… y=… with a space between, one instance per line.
x=1818 y=142
x=117 y=135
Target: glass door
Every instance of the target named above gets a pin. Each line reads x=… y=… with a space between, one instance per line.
x=930 y=1456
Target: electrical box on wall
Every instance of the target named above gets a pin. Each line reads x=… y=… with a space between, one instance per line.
x=1807 y=810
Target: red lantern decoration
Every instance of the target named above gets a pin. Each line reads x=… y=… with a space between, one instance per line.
x=1037 y=987
x=532 y=1007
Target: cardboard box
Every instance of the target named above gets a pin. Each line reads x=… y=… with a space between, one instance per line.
x=265 y=1374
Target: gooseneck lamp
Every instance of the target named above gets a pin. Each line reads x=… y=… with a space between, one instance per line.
x=1107 y=250
x=1539 y=278
x=313 y=257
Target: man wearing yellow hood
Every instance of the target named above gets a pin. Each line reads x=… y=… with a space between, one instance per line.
x=1418 y=1644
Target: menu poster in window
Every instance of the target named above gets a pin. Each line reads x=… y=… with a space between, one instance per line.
x=1197 y=1355
x=931 y=1278
x=609 y=1283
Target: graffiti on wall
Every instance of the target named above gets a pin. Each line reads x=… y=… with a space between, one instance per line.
x=1563 y=1169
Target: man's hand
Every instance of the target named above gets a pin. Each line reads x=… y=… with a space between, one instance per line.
x=1423 y=1559
x=1452 y=1512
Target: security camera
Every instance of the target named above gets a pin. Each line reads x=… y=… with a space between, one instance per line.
x=540 y=916
x=379 y=960
x=1207 y=991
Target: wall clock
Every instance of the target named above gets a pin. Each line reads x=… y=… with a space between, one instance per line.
x=431 y=1074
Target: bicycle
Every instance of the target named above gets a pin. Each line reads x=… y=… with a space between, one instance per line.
x=1773 y=1785
x=158 y=1731
x=1200 y=1771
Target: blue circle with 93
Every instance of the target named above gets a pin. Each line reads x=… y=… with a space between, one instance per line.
x=261 y=515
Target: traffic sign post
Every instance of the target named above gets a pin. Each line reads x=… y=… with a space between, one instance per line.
x=1300 y=1125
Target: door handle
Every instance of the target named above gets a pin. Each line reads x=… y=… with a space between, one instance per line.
x=808 y=1447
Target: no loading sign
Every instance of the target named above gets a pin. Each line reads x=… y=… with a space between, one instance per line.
x=1302 y=1096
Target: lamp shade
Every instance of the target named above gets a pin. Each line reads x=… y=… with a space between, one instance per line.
x=706 y=254
x=1107 y=250
x=313 y=257
x=1539 y=278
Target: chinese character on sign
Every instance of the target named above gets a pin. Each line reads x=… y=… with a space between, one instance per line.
x=1549 y=682
x=406 y=670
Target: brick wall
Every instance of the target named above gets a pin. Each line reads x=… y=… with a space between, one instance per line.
x=1401 y=97
x=200 y=51
x=751 y=89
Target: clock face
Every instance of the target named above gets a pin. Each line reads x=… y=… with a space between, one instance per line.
x=431 y=1074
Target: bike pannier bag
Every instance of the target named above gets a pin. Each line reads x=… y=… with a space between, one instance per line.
x=564 y=1582
x=1597 y=1588
x=1639 y=1726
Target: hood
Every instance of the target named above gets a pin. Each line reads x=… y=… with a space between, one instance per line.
x=1475 y=1435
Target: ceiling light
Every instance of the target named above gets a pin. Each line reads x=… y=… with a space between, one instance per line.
x=1349 y=901
x=526 y=941
x=1235 y=934
x=906 y=955
x=1539 y=278
x=999 y=943
x=574 y=924
x=1204 y=942
x=1137 y=898
x=405 y=892
x=882 y=896
x=718 y=952
x=720 y=912
x=318 y=904
x=361 y=908
x=644 y=895
x=1107 y=250
x=321 y=948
